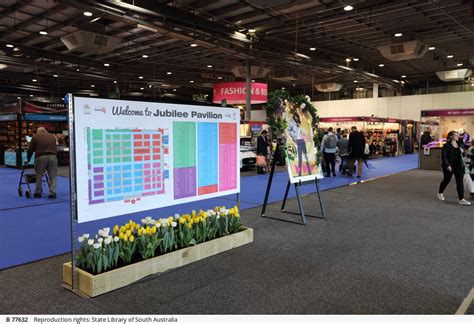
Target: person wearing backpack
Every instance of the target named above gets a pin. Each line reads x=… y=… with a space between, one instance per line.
x=329 y=148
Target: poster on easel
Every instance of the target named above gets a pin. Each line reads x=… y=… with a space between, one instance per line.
x=300 y=151
x=132 y=156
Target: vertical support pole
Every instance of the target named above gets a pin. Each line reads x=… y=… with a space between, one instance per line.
x=270 y=179
x=19 y=151
x=375 y=90
x=248 y=104
x=73 y=189
x=238 y=200
x=286 y=196
x=300 y=204
x=323 y=212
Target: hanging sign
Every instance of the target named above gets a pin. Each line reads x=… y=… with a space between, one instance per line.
x=236 y=92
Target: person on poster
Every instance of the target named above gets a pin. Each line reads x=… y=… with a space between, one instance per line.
x=262 y=149
x=43 y=145
x=297 y=135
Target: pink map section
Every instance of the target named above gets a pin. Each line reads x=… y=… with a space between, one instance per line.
x=227 y=156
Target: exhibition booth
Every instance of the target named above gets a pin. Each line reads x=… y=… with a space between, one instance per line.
x=438 y=123
x=387 y=135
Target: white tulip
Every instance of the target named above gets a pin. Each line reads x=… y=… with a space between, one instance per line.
x=217 y=217
x=116 y=238
x=176 y=216
x=107 y=241
x=81 y=239
x=86 y=236
x=158 y=225
x=144 y=221
x=100 y=240
x=173 y=224
x=97 y=245
x=90 y=242
x=226 y=212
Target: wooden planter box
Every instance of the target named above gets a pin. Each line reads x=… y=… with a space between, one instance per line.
x=94 y=285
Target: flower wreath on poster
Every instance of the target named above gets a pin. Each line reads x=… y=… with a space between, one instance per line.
x=295 y=120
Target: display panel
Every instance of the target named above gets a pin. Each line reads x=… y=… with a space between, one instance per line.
x=133 y=156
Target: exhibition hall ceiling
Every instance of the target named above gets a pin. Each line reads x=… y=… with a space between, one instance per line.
x=153 y=49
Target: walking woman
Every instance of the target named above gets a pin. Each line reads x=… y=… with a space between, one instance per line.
x=452 y=163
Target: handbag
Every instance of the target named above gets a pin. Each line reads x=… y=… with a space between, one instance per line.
x=261 y=161
x=468 y=185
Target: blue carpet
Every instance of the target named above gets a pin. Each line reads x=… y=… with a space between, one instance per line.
x=39 y=228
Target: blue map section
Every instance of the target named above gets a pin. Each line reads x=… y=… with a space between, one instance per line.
x=207 y=154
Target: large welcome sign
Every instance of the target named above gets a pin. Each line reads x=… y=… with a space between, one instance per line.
x=132 y=156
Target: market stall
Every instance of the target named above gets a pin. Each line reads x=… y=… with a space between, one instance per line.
x=435 y=125
x=385 y=135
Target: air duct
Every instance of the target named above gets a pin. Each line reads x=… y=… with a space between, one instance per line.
x=256 y=72
x=90 y=43
x=403 y=51
x=454 y=75
x=328 y=87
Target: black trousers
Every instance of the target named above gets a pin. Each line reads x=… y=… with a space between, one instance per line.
x=330 y=159
x=458 y=175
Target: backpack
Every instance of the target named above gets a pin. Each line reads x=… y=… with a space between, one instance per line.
x=330 y=142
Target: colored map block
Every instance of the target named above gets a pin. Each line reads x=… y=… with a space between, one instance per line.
x=184 y=182
x=184 y=144
x=227 y=156
x=207 y=158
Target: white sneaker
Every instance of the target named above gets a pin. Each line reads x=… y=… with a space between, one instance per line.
x=464 y=202
x=441 y=196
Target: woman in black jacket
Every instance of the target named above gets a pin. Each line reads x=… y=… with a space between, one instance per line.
x=452 y=163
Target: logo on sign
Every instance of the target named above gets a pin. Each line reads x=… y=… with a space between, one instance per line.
x=100 y=109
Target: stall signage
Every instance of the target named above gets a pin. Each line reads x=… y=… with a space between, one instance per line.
x=447 y=112
x=40 y=117
x=426 y=150
x=7 y=117
x=340 y=119
x=236 y=92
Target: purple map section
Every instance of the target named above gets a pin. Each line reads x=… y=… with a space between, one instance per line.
x=184 y=182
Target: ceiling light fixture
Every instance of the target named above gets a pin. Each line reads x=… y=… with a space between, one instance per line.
x=355 y=59
x=355 y=81
x=169 y=72
x=209 y=66
x=10 y=46
x=87 y=13
x=174 y=90
x=115 y=81
x=145 y=56
x=282 y=88
x=348 y=8
x=31 y=95
x=194 y=44
x=252 y=30
x=459 y=64
x=191 y=81
x=43 y=32
x=381 y=65
x=402 y=82
x=142 y=88
x=219 y=77
x=404 y=76
x=348 y=60
x=92 y=85
x=431 y=48
x=106 y=64
x=140 y=77
x=78 y=70
x=34 y=80
x=253 y=80
x=55 y=75
x=312 y=48
x=398 y=34
x=450 y=56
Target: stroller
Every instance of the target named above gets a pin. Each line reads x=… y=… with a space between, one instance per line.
x=28 y=178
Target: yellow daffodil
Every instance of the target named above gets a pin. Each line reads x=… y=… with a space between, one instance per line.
x=116 y=229
x=193 y=213
x=170 y=220
x=190 y=222
x=131 y=239
x=139 y=232
x=127 y=226
x=123 y=229
x=153 y=230
x=138 y=226
x=189 y=226
x=121 y=235
x=182 y=220
x=129 y=232
x=125 y=237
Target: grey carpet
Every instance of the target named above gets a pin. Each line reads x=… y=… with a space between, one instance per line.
x=388 y=246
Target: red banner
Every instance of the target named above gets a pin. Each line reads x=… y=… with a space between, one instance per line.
x=235 y=92
x=447 y=112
